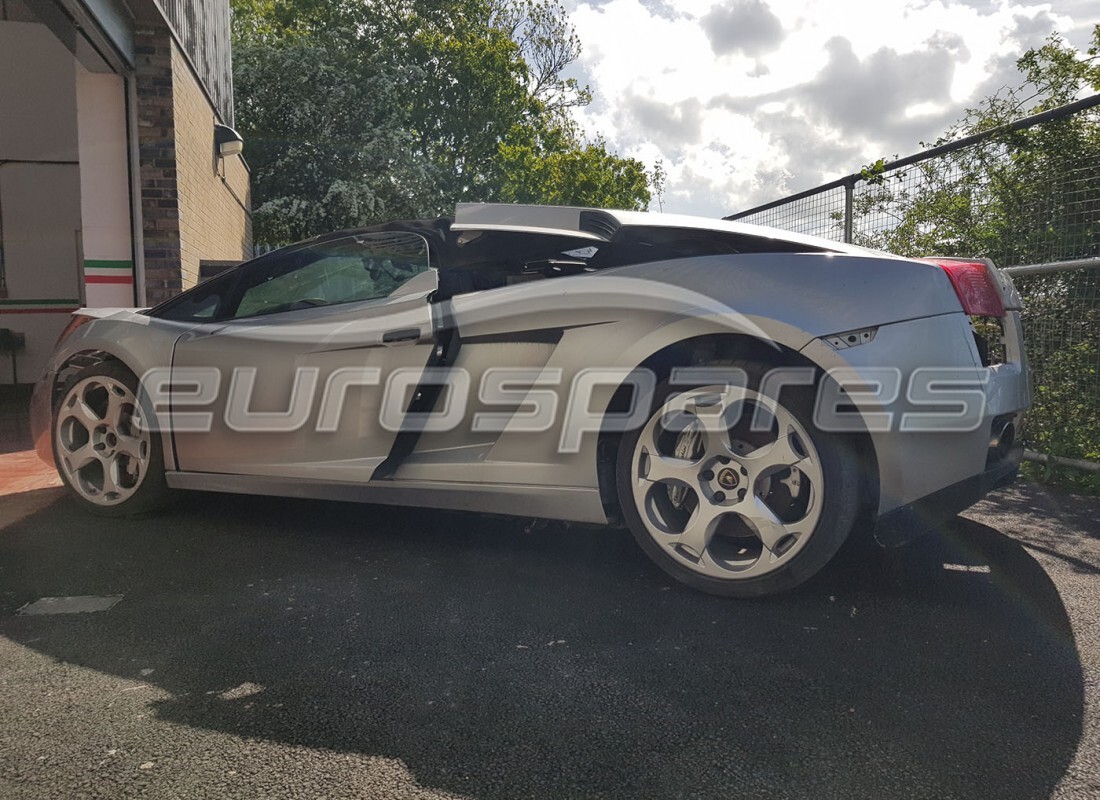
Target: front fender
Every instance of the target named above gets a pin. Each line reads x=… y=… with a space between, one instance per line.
x=135 y=340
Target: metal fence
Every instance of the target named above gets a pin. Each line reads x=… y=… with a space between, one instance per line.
x=263 y=249
x=1026 y=195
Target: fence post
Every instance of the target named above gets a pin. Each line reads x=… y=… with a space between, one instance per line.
x=849 y=201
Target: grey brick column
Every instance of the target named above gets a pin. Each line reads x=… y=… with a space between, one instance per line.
x=160 y=212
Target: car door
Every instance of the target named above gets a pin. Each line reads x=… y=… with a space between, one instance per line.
x=289 y=381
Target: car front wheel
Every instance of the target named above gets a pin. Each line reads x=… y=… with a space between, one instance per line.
x=734 y=492
x=106 y=450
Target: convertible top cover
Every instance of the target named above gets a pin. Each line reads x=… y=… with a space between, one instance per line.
x=511 y=238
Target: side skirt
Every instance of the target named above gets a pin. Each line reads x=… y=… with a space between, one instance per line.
x=573 y=504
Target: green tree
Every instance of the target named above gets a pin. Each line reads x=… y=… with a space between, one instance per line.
x=1020 y=197
x=354 y=112
x=548 y=166
x=327 y=141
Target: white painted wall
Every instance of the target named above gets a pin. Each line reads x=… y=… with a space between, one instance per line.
x=105 y=189
x=41 y=206
x=40 y=203
x=37 y=95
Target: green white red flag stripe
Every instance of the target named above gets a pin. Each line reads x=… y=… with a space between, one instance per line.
x=38 y=306
x=102 y=271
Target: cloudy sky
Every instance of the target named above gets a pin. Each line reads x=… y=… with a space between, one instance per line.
x=748 y=100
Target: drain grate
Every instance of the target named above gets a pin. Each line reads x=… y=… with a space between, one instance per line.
x=70 y=605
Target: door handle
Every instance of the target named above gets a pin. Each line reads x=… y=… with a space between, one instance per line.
x=401 y=336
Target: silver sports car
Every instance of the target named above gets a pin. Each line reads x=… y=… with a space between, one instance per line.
x=741 y=398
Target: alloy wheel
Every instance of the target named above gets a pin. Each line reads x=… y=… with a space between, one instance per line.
x=102 y=440
x=727 y=481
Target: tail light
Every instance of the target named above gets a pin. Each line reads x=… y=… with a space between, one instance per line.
x=974 y=284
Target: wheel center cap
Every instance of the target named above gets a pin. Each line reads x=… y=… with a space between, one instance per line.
x=728 y=479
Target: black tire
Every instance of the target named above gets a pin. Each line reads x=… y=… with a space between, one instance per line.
x=838 y=496
x=140 y=479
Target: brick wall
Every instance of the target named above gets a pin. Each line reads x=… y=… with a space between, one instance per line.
x=157 y=153
x=213 y=192
x=194 y=206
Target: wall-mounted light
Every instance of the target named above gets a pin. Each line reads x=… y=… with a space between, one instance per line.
x=227 y=141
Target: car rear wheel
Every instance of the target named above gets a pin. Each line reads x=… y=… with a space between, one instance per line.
x=734 y=492
x=105 y=448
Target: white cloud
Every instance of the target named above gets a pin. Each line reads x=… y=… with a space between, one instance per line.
x=744 y=26
x=746 y=100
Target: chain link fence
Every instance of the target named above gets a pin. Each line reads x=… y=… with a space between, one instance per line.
x=1026 y=195
x=1062 y=334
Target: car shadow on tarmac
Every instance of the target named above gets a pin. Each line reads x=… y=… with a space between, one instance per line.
x=499 y=663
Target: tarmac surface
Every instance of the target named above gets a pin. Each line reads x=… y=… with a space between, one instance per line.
x=279 y=648
x=241 y=647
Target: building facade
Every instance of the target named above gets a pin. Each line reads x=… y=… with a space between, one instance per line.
x=114 y=187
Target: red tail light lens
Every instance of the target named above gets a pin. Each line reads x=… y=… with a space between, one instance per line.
x=976 y=288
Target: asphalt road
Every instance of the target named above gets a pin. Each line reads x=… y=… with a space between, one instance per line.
x=276 y=648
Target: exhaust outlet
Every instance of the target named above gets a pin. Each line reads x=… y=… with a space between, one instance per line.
x=1001 y=439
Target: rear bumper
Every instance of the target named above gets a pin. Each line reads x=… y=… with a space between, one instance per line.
x=922 y=458
x=910 y=521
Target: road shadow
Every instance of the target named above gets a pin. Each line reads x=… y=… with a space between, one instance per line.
x=1051 y=515
x=498 y=663
x=15 y=431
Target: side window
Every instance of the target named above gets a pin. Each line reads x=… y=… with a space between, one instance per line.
x=205 y=302
x=364 y=266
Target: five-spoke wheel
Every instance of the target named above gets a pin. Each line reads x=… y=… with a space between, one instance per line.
x=728 y=489
x=104 y=446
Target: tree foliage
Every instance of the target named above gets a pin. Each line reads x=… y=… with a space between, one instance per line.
x=1028 y=196
x=545 y=166
x=356 y=111
x=1019 y=197
x=327 y=143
